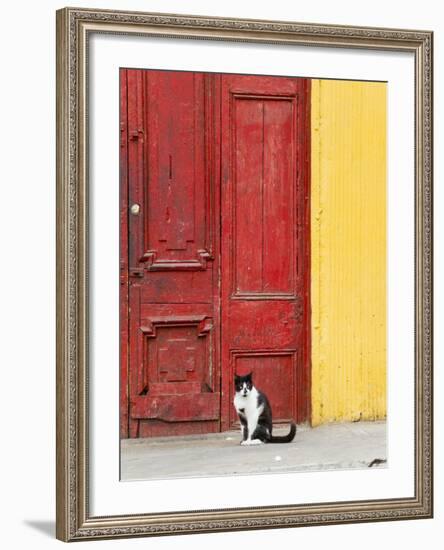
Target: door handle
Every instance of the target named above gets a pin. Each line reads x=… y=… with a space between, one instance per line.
x=135 y=209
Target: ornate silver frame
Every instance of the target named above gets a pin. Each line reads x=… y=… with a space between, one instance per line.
x=73 y=519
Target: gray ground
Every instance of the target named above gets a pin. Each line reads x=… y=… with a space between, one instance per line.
x=327 y=447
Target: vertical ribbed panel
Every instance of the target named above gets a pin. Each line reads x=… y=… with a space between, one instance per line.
x=348 y=250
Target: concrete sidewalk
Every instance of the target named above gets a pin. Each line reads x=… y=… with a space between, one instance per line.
x=327 y=447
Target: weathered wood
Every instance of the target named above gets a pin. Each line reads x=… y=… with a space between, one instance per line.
x=185 y=130
x=265 y=306
x=173 y=235
x=123 y=240
x=177 y=408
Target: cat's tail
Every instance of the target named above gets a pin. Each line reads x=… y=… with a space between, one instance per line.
x=284 y=438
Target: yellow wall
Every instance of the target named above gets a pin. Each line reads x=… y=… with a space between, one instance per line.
x=348 y=250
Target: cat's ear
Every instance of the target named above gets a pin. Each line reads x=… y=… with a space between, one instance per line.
x=236 y=377
x=249 y=376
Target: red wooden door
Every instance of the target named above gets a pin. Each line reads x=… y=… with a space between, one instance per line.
x=214 y=247
x=170 y=134
x=265 y=304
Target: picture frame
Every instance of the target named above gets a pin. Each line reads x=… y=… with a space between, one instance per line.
x=75 y=27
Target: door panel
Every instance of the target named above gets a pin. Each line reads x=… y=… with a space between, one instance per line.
x=270 y=367
x=264 y=244
x=174 y=381
x=177 y=226
x=170 y=130
x=262 y=196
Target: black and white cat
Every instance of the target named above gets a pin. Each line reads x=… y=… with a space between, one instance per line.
x=254 y=412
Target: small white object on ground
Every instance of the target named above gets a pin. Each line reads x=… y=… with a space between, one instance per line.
x=278 y=458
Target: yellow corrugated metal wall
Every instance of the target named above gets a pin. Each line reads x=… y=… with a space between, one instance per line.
x=348 y=250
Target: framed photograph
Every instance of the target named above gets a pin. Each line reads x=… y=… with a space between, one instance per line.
x=244 y=274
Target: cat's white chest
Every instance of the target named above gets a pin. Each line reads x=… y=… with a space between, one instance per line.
x=248 y=407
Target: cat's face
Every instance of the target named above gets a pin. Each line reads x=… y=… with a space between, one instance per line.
x=243 y=384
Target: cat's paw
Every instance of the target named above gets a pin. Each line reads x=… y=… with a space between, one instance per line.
x=252 y=442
